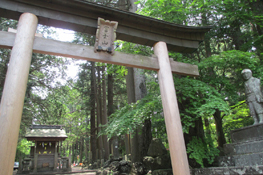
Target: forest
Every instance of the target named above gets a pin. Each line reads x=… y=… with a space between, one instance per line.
x=106 y=105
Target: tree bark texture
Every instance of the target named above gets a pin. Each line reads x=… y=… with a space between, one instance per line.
x=196 y=131
x=73 y=152
x=104 y=116
x=86 y=147
x=81 y=150
x=135 y=151
x=93 y=136
x=110 y=94
x=221 y=140
x=115 y=151
x=131 y=99
x=143 y=134
x=99 y=113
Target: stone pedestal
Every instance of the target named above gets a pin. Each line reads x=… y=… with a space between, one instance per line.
x=64 y=163
x=243 y=156
x=246 y=148
x=26 y=164
x=69 y=162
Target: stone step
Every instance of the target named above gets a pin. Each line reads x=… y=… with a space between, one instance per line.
x=248 y=159
x=241 y=160
x=251 y=147
x=247 y=134
x=226 y=161
x=244 y=170
x=243 y=148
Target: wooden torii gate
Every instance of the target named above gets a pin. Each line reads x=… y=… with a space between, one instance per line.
x=82 y=16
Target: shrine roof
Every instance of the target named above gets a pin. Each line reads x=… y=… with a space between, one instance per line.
x=82 y=16
x=46 y=131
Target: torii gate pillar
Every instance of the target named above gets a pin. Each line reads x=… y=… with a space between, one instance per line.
x=171 y=112
x=14 y=90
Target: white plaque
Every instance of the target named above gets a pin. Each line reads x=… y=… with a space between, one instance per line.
x=105 y=36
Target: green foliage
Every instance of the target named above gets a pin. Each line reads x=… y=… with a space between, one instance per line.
x=223 y=72
x=230 y=62
x=173 y=11
x=197 y=99
x=43 y=76
x=129 y=117
x=119 y=71
x=23 y=148
x=128 y=47
x=7 y=23
x=239 y=117
x=200 y=150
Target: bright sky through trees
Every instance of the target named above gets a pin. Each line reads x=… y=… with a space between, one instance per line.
x=67 y=36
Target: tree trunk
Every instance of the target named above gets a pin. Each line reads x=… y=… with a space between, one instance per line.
x=131 y=99
x=93 y=136
x=135 y=140
x=86 y=146
x=115 y=151
x=99 y=114
x=5 y=60
x=236 y=35
x=115 y=147
x=144 y=139
x=207 y=38
x=221 y=140
x=198 y=132
x=73 y=152
x=143 y=134
x=110 y=94
x=81 y=150
x=104 y=116
x=207 y=130
x=256 y=8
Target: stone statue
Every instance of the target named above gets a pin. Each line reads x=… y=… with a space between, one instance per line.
x=254 y=96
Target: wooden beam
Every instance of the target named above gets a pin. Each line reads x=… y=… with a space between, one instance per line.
x=82 y=17
x=58 y=48
x=171 y=113
x=13 y=97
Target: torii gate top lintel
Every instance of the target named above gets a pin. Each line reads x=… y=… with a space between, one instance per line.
x=82 y=16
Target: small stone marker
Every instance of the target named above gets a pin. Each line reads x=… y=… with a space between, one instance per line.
x=156 y=148
x=105 y=36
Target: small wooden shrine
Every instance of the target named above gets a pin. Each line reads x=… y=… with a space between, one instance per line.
x=45 y=154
